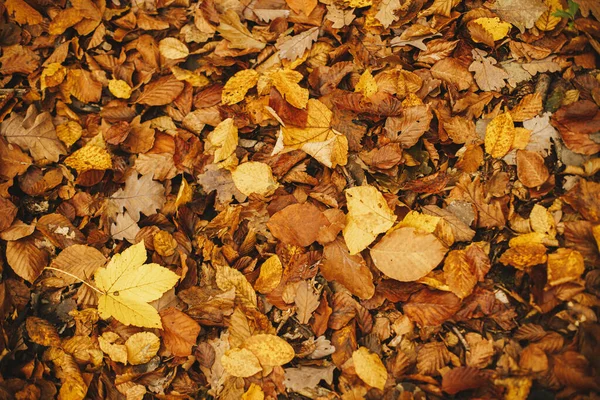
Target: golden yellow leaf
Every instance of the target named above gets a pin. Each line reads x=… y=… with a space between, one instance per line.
x=238 y=85
x=116 y=352
x=358 y=3
x=369 y=368
x=565 y=265
x=547 y=21
x=270 y=350
x=525 y=255
x=119 y=88
x=254 y=177
x=69 y=132
x=499 y=135
x=286 y=82
x=173 y=49
x=254 y=392
x=228 y=278
x=522 y=137
x=127 y=285
x=421 y=222
x=270 y=275
x=241 y=363
x=318 y=138
x=596 y=233
x=366 y=84
x=23 y=13
x=494 y=27
x=516 y=388
x=368 y=216
x=194 y=79
x=89 y=157
x=53 y=75
x=142 y=347
x=184 y=195
x=223 y=140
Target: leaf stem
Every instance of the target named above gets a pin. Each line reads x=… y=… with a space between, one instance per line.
x=75 y=277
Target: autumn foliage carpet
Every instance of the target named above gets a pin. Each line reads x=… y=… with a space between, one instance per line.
x=304 y=199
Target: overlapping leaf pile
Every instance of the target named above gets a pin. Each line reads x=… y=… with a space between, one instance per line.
x=321 y=198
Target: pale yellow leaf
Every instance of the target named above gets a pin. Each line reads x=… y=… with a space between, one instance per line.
x=369 y=368
x=119 y=88
x=241 y=363
x=128 y=285
x=254 y=177
x=494 y=27
x=270 y=350
x=173 y=49
x=142 y=347
x=368 y=216
x=223 y=140
x=286 y=82
x=228 y=278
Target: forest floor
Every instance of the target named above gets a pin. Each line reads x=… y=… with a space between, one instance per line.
x=322 y=199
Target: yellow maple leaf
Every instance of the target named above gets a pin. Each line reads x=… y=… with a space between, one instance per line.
x=127 y=285
x=223 y=140
x=238 y=85
x=499 y=135
x=317 y=138
x=254 y=177
x=498 y=29
x=369 y=368
x=368 y=216
x=89 y=157
x=286 y=82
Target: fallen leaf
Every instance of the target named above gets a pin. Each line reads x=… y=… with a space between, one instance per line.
x=531 y=170
x=286 y=82
x=487 y=75
x=254 y=177
x=306 y=301
x=79 y=260
x=368 y=216
x=223 y=140
x=270 y=275
x=172 y=49
x=241 y=363
x=349 y=270
x=236 y=33
x=270 y=350
x=499 y=135
x=140 y=195
x=294 y=47
x=297 y=224
x=399 y=254
x=238 y=85
x=522 y=14
x=180 y=332
x=141 y=347
x=369 y=368
x=565 y=265
x=451 y=71
x=127 y=285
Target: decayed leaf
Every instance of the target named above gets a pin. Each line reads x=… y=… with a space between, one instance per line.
x=366 y=84
x=128 y=285
x=369 y=368
x=487 y=75
x=35 y=133
x=119 y=88
x=42 y=332
x=450 y=70
x=140 y=195
x=499 y=135
x=297 y=379
x=73 y=387
x=349 y=270
x=238 y=85
x=236 y=33
x=531 y=170
x=270 y=350
x=141 y=347
x=240 y=362
x=400 y=254
x=368 y=216
x=223 y=140
x=522 y=14
x=306 y=301
x=254 y=177
x=270 y=275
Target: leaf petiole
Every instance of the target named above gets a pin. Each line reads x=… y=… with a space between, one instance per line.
x=75 y=277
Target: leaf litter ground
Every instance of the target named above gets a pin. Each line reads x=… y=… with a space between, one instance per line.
x=300 y=198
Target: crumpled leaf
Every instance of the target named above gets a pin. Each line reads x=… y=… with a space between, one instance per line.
x=141 y=347
x=128 y=285
x=487 y=75
x=294 y=47
x=236 y=33
x=238 y=85
x=368 y=216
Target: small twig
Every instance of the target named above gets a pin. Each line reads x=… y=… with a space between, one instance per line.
x=75 y=277
x=461 y=338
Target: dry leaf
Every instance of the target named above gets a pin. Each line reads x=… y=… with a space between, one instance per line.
x=286 y=82
x=270 y=275
x=565 y=265
x=349 y=270
x=223 y=140
x=128 y=285
x=531 y=170
x=499 y=135
x=306 y=301
x=522 y=14
x=79 y=260
x=173 y=49
x=298 y=224
x=236 y=33
x=141 y=347
x=140 y=195
x=241 y=363
x=180 y=332
x=270 y=350
x=294 y=47
x=451 y=71
x=254 y=177
x=369 y=368
x=368 y=216
x=400 y=254
x=238 y=85
x=487 y=75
